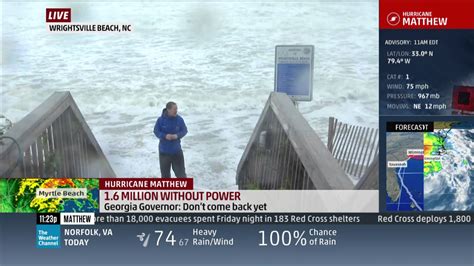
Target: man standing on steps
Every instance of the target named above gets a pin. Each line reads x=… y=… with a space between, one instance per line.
x=170 y=128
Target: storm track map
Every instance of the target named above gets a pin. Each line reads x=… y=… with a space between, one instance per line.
x=404 y=172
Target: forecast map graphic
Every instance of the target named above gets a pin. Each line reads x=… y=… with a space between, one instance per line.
x=431 y=171
x=19 y=195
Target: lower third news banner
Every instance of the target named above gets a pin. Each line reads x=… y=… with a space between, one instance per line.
x=133 y=221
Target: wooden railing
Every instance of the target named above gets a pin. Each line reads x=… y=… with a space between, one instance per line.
x=370 y=178
x=354 y=147
x=54 y=141
x=284 y=152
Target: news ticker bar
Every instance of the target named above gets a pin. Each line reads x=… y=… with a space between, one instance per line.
x=253 y=218
x=50 y=226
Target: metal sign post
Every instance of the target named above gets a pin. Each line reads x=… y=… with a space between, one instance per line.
x=294 y=71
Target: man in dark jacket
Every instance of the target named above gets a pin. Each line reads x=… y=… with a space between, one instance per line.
x=170 y=128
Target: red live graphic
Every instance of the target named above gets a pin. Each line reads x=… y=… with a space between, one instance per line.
x=58 y=15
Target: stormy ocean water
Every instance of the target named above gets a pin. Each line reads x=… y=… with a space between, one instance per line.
x=216 y=60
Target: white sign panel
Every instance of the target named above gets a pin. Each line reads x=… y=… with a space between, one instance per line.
x=294 y=71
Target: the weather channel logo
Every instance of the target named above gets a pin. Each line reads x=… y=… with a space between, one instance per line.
x=393 y=19
x=411 y=18
x=48 y=236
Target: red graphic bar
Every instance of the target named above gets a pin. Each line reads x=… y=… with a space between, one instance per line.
x=416 y=157
x=146 y=184
x=426 y=14
x=58 y=15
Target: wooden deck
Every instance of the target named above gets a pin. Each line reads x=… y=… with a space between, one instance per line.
x=55 y=141
x=284 y=152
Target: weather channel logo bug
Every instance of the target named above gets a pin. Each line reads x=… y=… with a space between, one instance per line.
x=48 y=236
x=58 y=15
x=393 y=19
